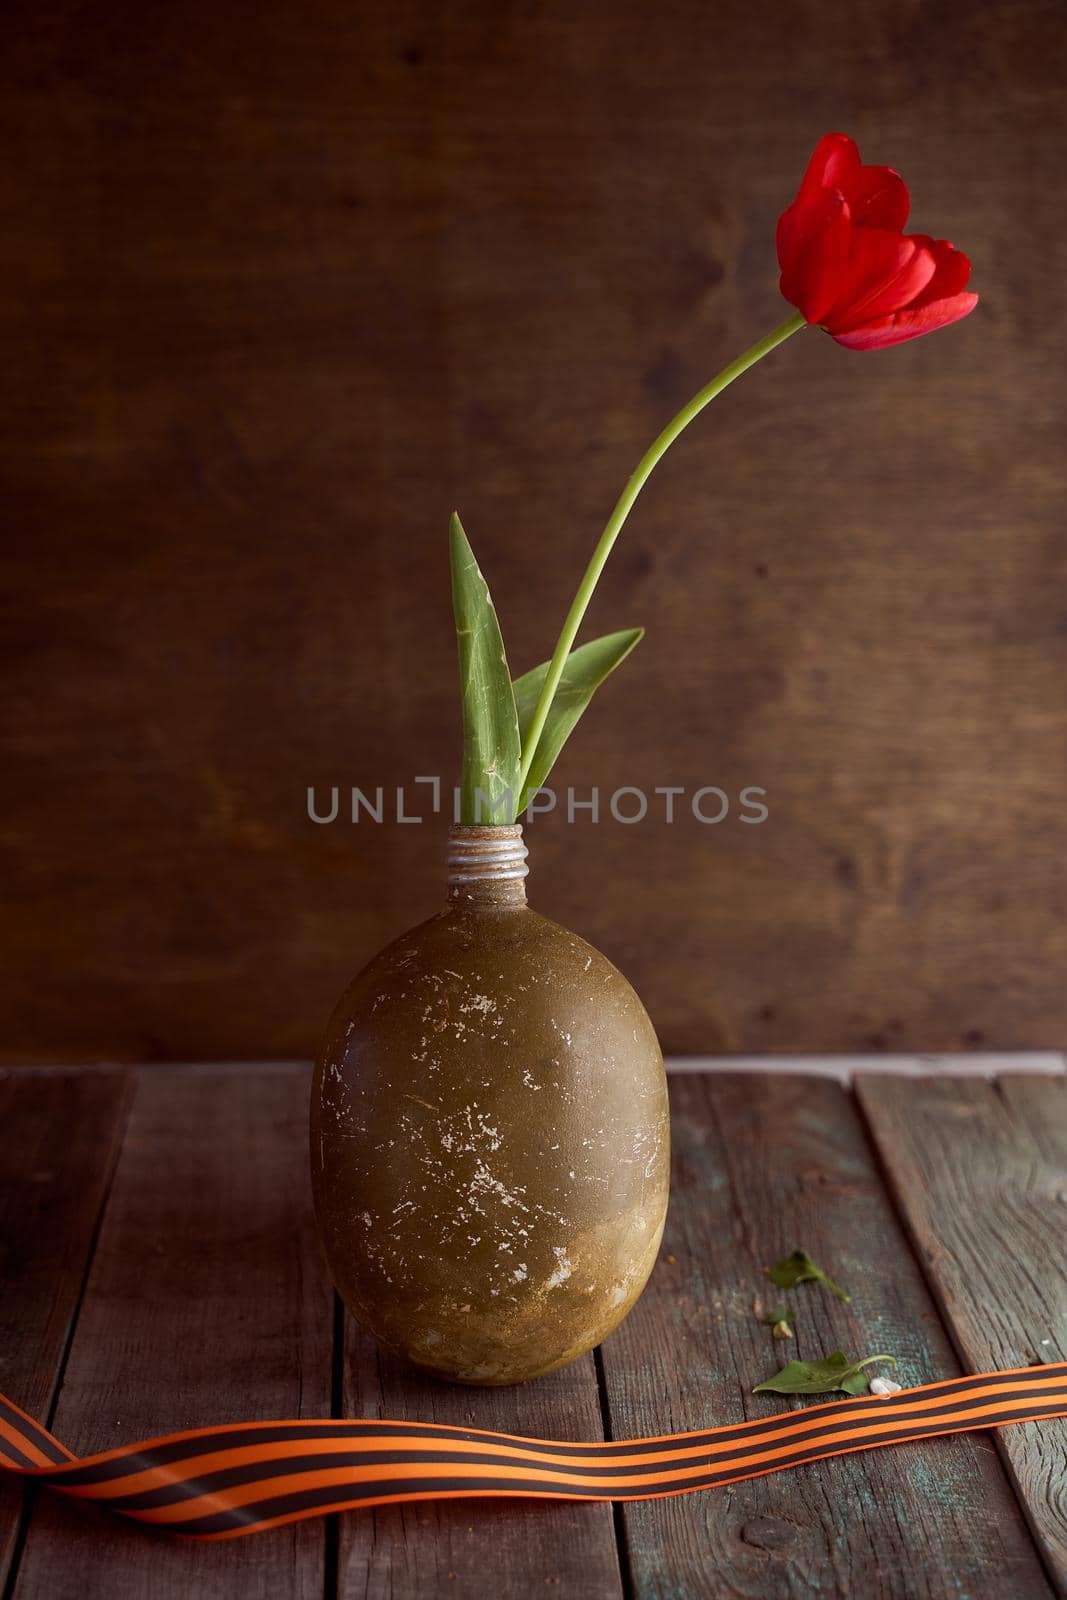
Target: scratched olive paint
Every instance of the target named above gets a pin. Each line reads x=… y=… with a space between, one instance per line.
x=490 y=1141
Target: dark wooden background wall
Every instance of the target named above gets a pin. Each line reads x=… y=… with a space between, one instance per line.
x=283 y=283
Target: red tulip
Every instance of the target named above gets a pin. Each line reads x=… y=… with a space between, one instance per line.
x=847 y=263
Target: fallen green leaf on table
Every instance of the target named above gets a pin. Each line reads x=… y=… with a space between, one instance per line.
x=800 y=1268
x=827 y=1376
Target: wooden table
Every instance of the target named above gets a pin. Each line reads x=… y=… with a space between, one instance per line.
x=161 y=1271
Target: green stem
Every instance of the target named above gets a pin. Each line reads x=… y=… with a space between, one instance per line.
x=624 y=504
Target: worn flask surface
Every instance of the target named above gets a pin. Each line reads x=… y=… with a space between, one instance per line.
x=490 y=1134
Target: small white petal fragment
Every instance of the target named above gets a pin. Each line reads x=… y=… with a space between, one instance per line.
x=884 y=1386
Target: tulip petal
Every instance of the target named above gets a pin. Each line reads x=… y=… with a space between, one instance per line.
x=951 y=272
x=815 y=261
x=878 y=198
x=885 y=273
x=910 y=323
x=834 y=162
x=786 y=232
x=796 y=221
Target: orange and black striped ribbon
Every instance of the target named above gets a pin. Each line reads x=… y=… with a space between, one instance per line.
x=219 y=1483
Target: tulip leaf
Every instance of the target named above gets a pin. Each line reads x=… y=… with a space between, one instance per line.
x=584 y=672
x=828 y=1376
x=491 y=748
x=800 y=1268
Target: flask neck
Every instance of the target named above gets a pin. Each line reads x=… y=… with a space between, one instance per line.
x=486 y=865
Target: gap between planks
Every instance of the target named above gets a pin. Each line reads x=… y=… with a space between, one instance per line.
x=845 y=1069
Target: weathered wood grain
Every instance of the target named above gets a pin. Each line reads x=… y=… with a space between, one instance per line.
x=206 y=1302
x=763 y=1165
x=59 y=1137
x=980 y=1172
x=281 y=285
x=513 y=1549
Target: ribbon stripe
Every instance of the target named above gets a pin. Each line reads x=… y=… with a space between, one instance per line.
x=119 y=1462
x=16 y=1426
x=220 y=1483
x=188 y=1447
x=620 y=1467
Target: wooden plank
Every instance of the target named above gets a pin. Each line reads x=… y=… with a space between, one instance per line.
x=206 y=1302
x=762 y=1165
x=61 y=1136
x=958 y=1064
x=1039 y=1106
x=514 y=1549
x=980 y=1172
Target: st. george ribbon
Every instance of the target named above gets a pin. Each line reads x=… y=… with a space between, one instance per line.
x=222 y=1482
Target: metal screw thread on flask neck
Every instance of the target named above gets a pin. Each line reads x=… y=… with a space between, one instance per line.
x=487 y=864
